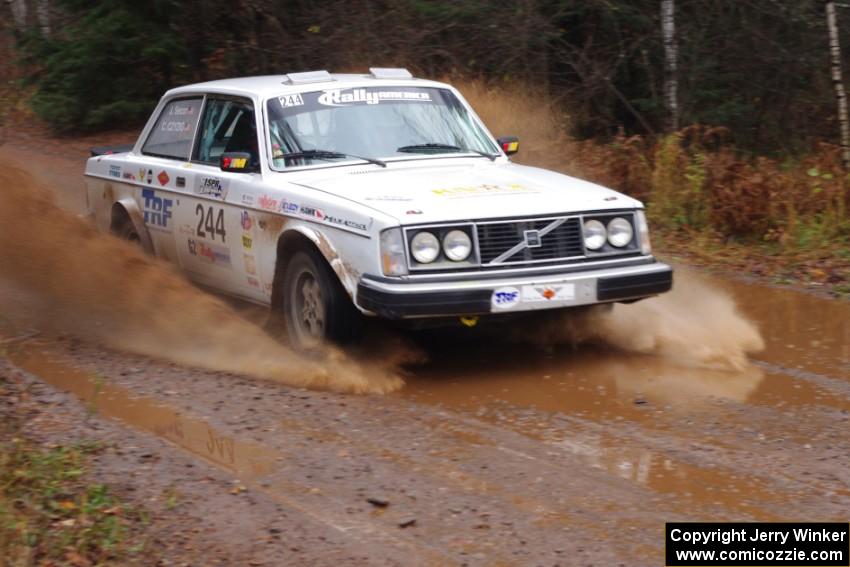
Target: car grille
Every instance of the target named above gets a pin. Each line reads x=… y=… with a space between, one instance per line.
x=495 y=239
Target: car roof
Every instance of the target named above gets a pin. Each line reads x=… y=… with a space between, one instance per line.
x=275 y=85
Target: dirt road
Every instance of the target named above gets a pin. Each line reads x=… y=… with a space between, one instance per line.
x=495 y=452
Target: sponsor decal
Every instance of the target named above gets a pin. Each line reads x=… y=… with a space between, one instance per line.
x=163 y=178
x=253 y=282
x=129 y=176
x=389 y=198
x=209 y=253
x=312 y=212
x=234 y=163
x=250 y=264
x=291 y=100
x=157 y=210
x=141 y=175
x=545 y=293
x=186 y=229
x=413 y=212
x=482 y=190
x=180 y=182
x=247 y=242
x=346 y=222
x=267 y=203
x=149 y=176
x=248 y=199
x=340 y=97
x=289 y=207
x=505 y=298
x=115 y=171
x=214 y=187
x=246 y=221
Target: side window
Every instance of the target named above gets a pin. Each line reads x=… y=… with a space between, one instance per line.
x=171 y=136
x=228 y=126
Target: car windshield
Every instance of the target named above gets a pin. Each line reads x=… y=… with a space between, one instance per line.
x=369 y=123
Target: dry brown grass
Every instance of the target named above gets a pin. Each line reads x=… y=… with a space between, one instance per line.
x=691 y=180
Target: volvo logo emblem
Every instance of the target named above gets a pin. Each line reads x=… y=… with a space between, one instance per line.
x=532 y=238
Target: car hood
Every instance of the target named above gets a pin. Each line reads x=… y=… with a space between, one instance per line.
x=472 y=189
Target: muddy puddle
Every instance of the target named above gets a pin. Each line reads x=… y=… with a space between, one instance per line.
x=806 y=360
x=608 y=408
x=245 y=460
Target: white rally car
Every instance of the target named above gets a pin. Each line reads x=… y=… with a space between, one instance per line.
x=329 y=197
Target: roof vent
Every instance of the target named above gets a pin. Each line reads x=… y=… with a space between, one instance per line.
x=390 y=73
x=308 y=77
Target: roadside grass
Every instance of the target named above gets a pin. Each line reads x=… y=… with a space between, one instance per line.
x=50 y=514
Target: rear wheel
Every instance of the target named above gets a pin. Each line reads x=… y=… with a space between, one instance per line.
x=315 y=305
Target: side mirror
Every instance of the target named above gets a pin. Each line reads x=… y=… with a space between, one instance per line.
x=509 y=144
x=236 y=162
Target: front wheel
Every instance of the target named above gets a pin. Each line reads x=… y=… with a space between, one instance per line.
x=315 y=305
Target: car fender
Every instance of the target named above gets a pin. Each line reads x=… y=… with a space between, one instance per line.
x=132 y=211
x=348 y=276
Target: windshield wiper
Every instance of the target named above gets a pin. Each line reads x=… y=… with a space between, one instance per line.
x=436 y=147
x=327 y=154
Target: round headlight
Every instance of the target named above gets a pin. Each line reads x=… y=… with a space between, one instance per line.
x=425 y=247
x=457 y=245
x=620 y=232
x=594 y=235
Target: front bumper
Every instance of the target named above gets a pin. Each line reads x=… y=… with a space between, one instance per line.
x=404 y=300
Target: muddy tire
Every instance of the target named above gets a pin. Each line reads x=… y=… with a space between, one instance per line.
x=316 y=308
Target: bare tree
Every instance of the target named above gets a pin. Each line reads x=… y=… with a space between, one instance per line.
x=838 y=82
x=42 y=12
x=671 y=76
x=19 y=13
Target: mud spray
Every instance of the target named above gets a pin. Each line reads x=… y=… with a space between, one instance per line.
x=696 y=324
x=59 y=275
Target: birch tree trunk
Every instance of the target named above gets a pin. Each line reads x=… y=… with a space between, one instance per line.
x=838 y=82
x=19 y=13
x=42 y=11
x=671 y=76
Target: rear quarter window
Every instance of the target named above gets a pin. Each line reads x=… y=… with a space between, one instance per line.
x=174 y=130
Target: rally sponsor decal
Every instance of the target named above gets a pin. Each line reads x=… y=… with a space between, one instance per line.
x=505 y=298
x=546 y=293
x=157 y=210
x=483 y=190
x=115 y=171
x=213 y=187
x=347 y=97
x=250 y=264
x=209 y=253
x=163 y=178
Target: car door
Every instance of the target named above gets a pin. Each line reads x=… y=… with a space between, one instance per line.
x=159 y=172
x=215 y=232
